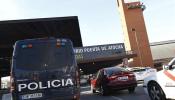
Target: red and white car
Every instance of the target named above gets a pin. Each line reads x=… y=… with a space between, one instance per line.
x=113 y=78
x=161 y=85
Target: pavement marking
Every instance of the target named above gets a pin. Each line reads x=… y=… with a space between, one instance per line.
x=86 y=92
x=83 y=87
x=116 y=98
x=139 y=84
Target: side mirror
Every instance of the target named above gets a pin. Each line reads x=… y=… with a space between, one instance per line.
x=165 y=67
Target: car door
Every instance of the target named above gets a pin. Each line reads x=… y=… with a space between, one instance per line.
x=168 y=83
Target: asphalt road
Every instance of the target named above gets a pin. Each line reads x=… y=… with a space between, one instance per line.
x=118 y=95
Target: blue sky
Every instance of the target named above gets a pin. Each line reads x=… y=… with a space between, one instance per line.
x=99 y=19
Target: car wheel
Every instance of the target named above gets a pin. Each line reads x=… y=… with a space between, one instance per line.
x=92 y=89
x=131 y=90
x=155 y=92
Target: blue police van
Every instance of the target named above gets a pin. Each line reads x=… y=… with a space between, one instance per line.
x=44 y=69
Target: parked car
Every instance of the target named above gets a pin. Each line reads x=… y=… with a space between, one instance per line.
x=142 y=72
x=113 y=78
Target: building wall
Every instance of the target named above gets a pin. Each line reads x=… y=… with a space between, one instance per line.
x=162 y=52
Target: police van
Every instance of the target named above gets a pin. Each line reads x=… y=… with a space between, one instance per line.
x=161 y=85
x=44 y=69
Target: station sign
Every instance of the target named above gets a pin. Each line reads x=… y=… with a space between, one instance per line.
x=99 y=51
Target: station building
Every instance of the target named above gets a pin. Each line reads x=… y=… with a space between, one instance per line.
x=89 y=59
x=94 y=57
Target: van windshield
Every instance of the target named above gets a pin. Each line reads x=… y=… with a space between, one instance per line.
x=43 y=56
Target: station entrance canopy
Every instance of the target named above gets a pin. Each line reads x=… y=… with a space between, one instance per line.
x=58 y=27
x=13 y=30
x=92 y=58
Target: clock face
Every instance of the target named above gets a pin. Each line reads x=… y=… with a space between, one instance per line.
x=129 y=1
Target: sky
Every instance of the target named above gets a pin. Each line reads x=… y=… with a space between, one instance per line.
x=99 y=19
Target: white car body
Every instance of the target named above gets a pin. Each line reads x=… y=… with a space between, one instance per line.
x=142 y=72
x=165 y=79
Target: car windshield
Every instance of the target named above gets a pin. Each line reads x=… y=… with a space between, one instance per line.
x=172 y=62
x=43 y=56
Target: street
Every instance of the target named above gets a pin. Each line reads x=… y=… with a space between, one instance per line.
x=118 y=95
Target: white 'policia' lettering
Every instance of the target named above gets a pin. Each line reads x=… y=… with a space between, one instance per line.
x=49 y=84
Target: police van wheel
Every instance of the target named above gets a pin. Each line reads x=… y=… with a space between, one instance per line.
x=156 y=92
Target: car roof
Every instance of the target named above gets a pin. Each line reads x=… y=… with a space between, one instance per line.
x=113 y=68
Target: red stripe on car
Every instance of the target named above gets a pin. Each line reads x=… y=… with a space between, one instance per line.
x=168 y=74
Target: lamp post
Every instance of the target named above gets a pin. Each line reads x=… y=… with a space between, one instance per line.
x=137 y=43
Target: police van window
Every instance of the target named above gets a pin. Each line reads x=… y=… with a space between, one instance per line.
x=43 y=56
